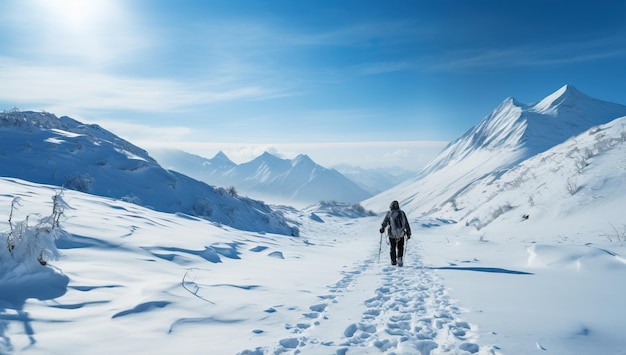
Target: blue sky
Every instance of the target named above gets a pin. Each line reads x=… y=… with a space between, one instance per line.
x=369 y=83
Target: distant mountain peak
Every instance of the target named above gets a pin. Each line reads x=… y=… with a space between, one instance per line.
x=303 y=159
x=222 y=158
x=566 y=96
x=267 y=157
x=220 y=155
x=298 y=180
x=517 y=131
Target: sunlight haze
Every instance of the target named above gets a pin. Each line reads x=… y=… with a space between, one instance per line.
x=303 y=77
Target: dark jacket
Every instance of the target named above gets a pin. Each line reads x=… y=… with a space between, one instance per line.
x=387 y=220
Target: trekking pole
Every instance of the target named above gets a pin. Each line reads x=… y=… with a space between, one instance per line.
x=404 y=246
x=380 y=246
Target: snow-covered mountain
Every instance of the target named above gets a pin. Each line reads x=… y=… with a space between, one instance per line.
x=166 y=283
x=268 y=177
x=39 y=147
x=376 y=180
x=533 y=264
x=586 y=170
x=512 y=133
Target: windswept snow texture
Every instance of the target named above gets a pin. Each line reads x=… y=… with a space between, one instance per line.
x=162 y=283
x=42 y=148
x=290 y=181
x=167 y=283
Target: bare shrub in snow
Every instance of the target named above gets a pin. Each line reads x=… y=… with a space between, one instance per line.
x=78 y=182
x=581 y=163
x=202 y=207
x=231 y=191
x=500 y=210
x=341 y=209
x=616 y=235
x=572 y=185
x=492 y=216
x=476 y=223
x=603 y=145
x=27 y=245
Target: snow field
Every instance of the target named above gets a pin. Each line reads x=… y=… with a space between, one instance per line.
x=135 y=280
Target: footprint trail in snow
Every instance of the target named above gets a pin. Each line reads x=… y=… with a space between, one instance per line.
x=407 y=312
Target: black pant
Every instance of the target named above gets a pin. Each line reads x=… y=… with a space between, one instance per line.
x=397 y=248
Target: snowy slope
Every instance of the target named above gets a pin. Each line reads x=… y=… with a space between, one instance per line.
x=293 y=181
x=123 y=284
x=512 y=133
x=133 y=280
x=586 y=170
x=42 y=148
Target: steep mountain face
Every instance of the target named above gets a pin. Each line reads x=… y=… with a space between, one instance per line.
x=42 y=148
x=512 y=133
x=521 y=130
x=298 y=180
x=551 y=186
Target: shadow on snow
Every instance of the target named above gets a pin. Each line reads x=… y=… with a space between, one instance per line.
x=494 y=270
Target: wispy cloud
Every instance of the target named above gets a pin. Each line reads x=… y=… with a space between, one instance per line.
x=82 y=89
x=537 y=55
x=77 y=55
x=384 y=67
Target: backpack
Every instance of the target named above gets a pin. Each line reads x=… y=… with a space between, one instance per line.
x=397 y=224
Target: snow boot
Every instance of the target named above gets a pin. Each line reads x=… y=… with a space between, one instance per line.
x=400 y=262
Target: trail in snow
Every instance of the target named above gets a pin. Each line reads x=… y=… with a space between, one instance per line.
x=406 y=311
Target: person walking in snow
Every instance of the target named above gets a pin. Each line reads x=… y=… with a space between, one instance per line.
x=398 y=229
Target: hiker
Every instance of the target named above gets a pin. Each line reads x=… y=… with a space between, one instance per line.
x=398 y=229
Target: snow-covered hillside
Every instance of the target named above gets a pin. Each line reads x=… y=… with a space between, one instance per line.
x=133 y=280
x=298 y=181
x=525 y=258
x=39 y=147
x=586 y=170
x=512 y=133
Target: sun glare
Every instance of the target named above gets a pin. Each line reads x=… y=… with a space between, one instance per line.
x=95 y=31
x=76 y=15
x=78 y=12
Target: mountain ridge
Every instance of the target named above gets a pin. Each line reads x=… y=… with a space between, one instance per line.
x=510 y=134
x=299 y=180
x=42 y=148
